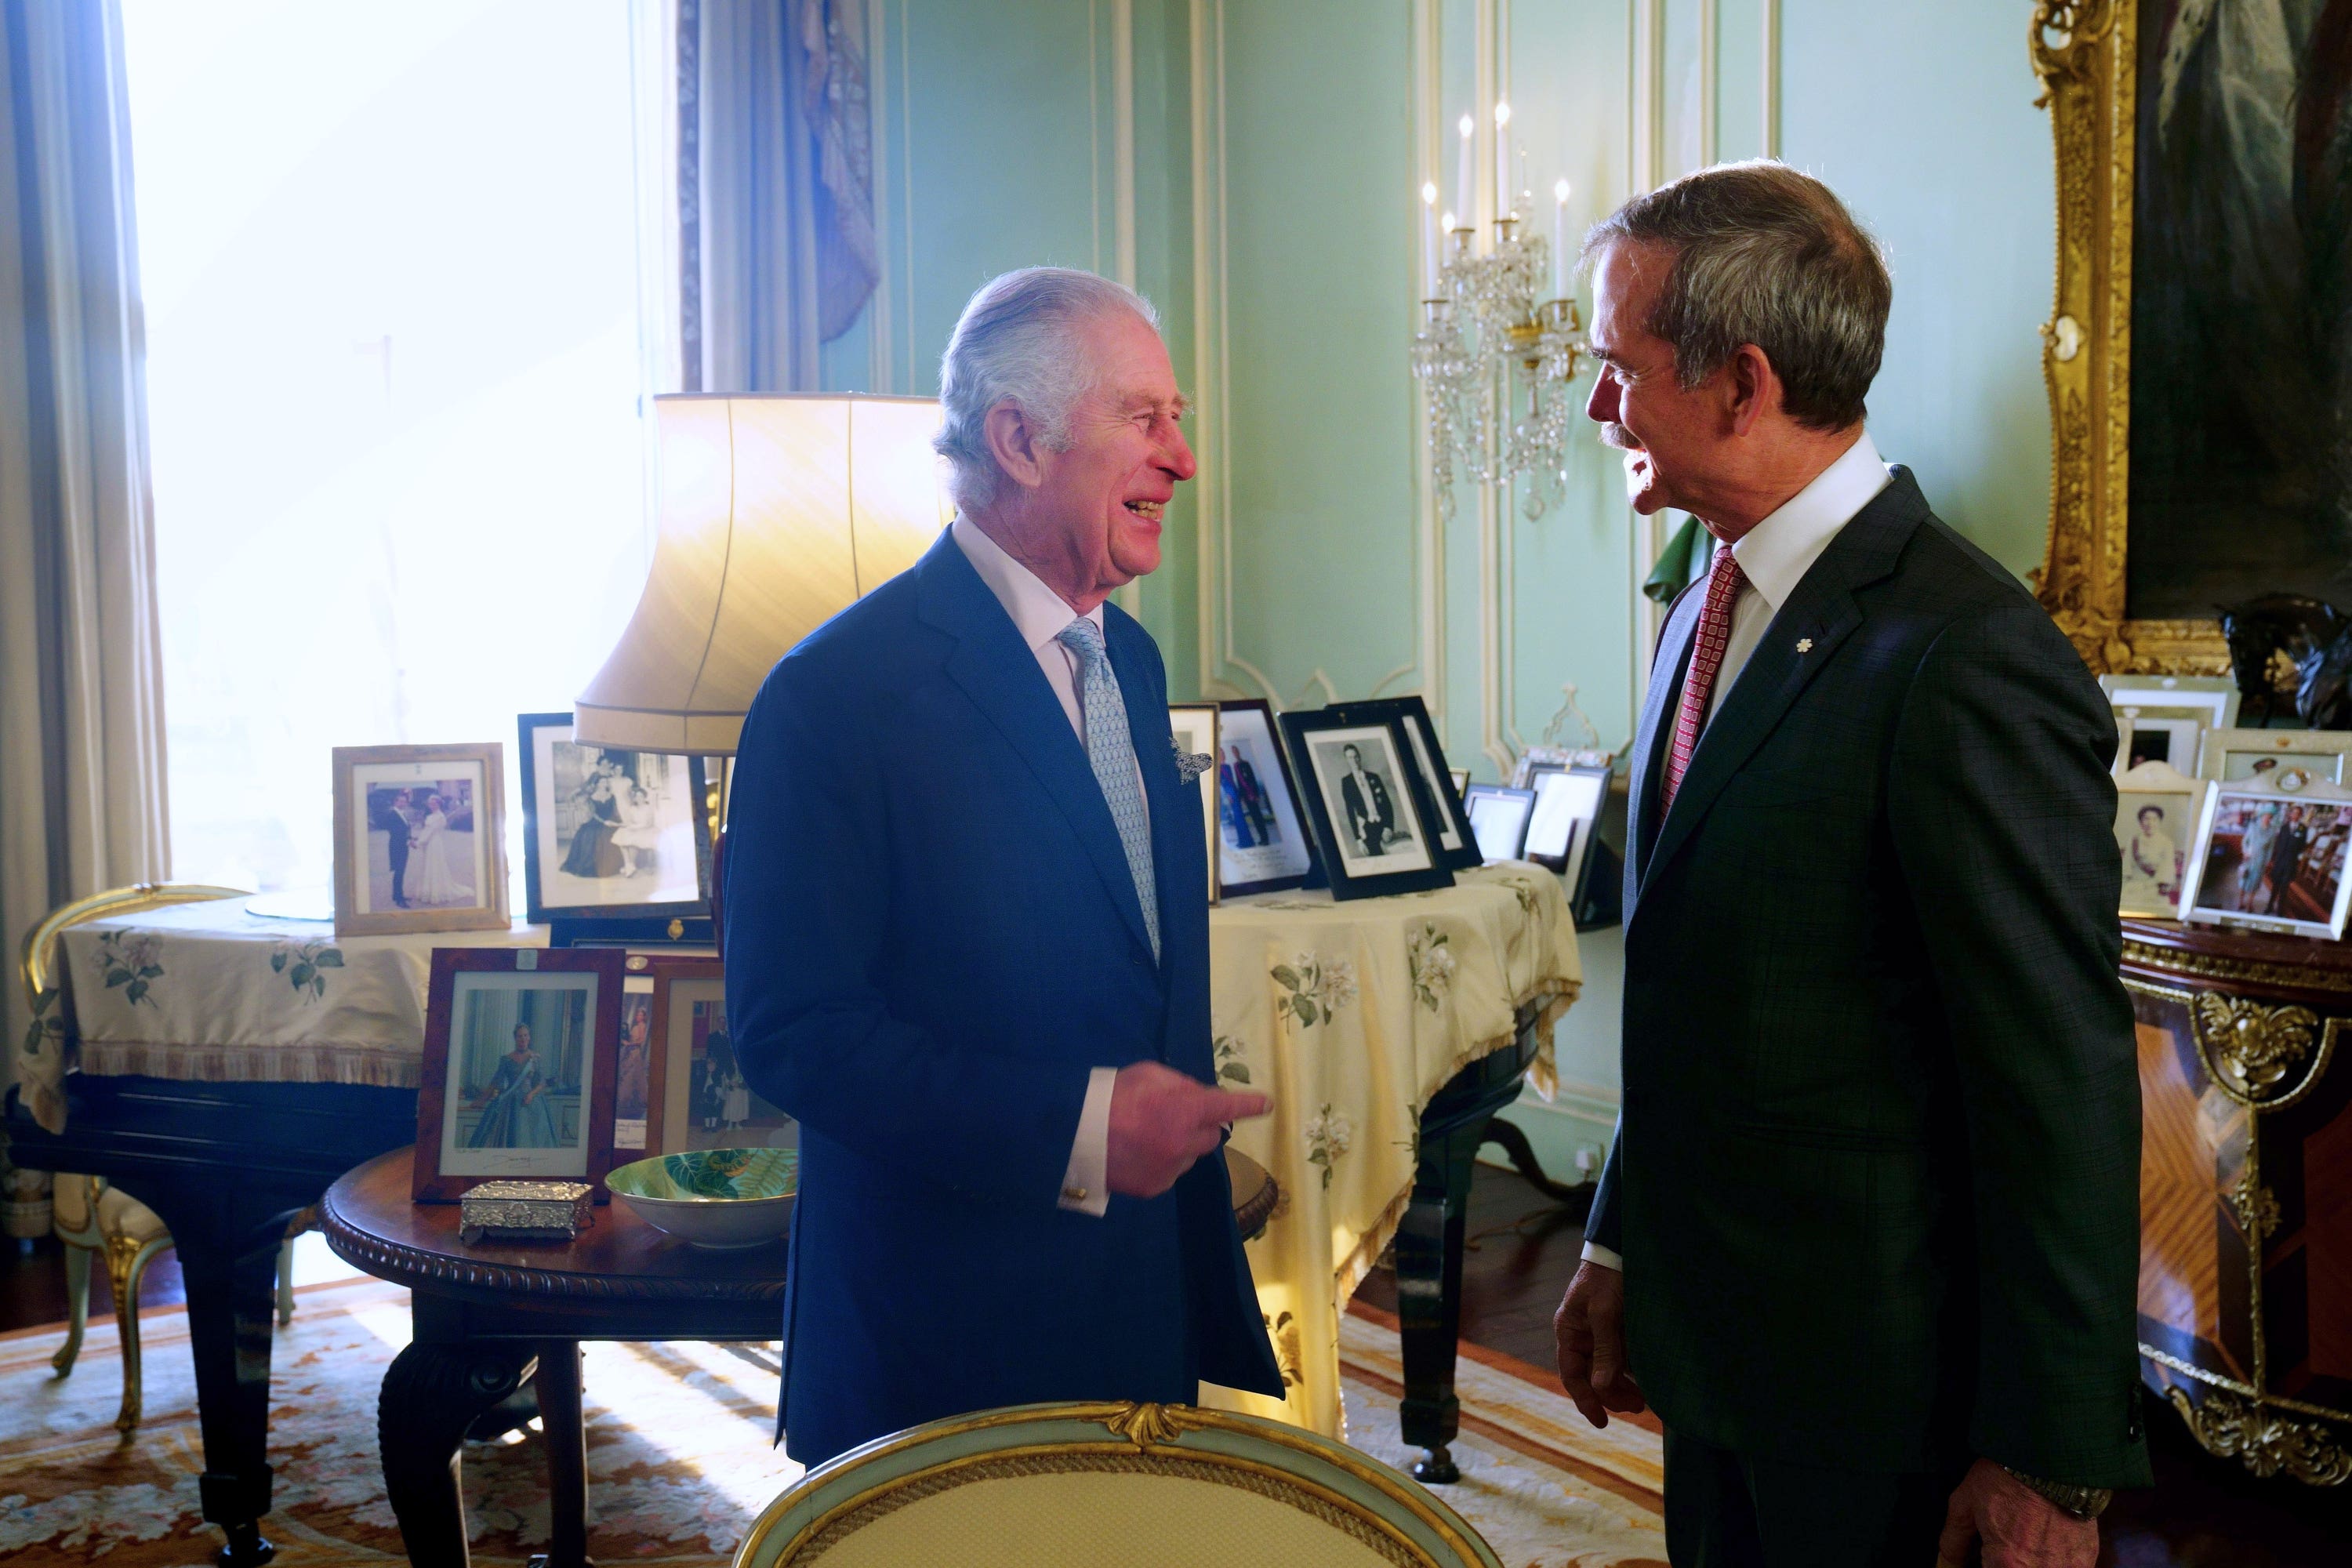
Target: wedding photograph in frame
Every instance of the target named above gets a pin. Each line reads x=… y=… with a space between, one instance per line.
x=700 y=1099
x=1372 y=816
x=1194 y=726
x=1499 y=816
x=616 y=843
x=520 y=1064
x=1262 y=840
x=1455 y=837
x=420 y=839
x=2269 y=856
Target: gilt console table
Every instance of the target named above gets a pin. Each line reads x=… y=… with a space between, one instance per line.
x=2245 y=1282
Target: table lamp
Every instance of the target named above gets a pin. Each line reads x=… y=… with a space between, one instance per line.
x=777 y=511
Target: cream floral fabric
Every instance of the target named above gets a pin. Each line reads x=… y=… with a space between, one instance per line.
x=1352 y=1016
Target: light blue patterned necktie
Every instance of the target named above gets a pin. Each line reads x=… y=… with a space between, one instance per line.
x=1111 y=752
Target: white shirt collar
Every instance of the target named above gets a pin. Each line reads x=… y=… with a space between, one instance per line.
x=1039 y=614
x=1777 y=553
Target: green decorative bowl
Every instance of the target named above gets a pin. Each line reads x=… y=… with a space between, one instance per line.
x=719 y=1198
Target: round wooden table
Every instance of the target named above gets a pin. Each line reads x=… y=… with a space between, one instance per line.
x=490 y=1318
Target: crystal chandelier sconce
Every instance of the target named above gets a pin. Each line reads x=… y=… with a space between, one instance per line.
x=1500 y=341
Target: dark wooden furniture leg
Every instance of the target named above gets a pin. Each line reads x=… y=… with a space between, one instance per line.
x=557 y=1383
x=431 y=1394
x=231 y=1285
x=1429 y=1252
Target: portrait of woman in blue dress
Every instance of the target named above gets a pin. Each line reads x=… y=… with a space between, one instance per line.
x=516 y=1114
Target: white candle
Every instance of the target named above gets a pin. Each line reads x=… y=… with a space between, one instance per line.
x=1466 y=188
x=1503 y=192
x=1559 y=241
x=1429 y=241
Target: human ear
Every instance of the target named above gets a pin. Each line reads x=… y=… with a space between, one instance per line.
x=1752 y=387
x=1013 y=444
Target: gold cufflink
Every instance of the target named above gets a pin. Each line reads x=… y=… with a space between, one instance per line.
x=1073 y=1194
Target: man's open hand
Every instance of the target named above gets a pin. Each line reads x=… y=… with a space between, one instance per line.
x=1162 y=1120
x=1589 y=1332
x=2019 y=1526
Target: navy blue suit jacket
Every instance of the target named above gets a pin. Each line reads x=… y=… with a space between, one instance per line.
x=932 y=935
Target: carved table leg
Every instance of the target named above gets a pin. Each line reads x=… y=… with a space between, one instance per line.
x=1429 y=1295
x=558 y=1384
x=431 y=1394
x=229 y=1275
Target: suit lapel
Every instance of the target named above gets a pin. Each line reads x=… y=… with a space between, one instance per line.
x=1820 y=613
x=998 y=672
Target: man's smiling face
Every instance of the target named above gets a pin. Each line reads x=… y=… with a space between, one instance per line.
x=1670 y=434
x=1105 y=495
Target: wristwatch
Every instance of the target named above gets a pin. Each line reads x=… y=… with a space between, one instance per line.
x=2085 y=1503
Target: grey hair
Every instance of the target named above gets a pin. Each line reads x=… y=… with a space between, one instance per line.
x=1764 y=254
x=1017 y=341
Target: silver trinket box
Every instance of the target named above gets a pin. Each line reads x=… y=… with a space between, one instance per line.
x=524 y=1211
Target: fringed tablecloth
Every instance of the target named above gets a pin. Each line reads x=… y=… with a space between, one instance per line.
x=1352 y=1016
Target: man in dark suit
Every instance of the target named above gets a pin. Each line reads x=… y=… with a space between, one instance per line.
x=1371 y=819
x=389 y=815
x=1254 y=800
x=967 y=933
x=2286 y=857
x=1867 y=1237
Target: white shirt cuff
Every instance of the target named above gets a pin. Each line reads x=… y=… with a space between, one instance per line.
x=1596 y=1253
x=1086 y=1184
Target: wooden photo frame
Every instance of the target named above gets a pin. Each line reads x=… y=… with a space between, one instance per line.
x=616 y=843
x=1375 y=824
x=1263 y=840
x=520 y=1063
x=700 y=1099
x=420 y=839
x=1454 y=834
x=2159 y=811
x=1498 y=816
x=1194 y=725
x=2270 y=856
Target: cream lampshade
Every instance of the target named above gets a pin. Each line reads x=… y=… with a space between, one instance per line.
x=777 y=511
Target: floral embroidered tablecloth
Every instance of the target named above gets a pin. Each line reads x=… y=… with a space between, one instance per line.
x=209 y=990
x=1352 y=1016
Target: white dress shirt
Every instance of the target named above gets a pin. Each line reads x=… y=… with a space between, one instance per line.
x=1040 y=615
x=1775 y=555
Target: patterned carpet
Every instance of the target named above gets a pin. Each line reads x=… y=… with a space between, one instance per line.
x=681 y=1476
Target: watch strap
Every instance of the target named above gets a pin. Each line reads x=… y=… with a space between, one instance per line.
x=2085 y=1503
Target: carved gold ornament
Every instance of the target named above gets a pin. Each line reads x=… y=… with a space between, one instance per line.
x=1154 y=1425
x=2228 y=1428
x=2256 y=1207
x=2249 y=1047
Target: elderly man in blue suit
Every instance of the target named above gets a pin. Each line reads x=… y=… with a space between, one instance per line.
x=967 y=935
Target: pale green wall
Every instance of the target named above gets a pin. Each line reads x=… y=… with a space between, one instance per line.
x=1280 y=243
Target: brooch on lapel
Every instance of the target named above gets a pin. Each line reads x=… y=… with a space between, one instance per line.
x=1189 y=766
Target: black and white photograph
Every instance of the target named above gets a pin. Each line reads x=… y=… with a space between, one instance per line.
x=2270 y=856
x=605 y=831
x=1372 y=814
x=418 y=839
x=1262 y=845
x=1499 y=816
x=1458 y=846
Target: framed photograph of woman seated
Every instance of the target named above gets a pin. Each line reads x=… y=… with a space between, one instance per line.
x=420 y=839
x=520 y=1047
x=616 y=844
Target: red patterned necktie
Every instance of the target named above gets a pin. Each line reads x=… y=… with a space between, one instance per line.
x=1723 y=585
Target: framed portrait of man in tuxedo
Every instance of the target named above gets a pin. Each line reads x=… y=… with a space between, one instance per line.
x=1457 y=844
x=1373 y=816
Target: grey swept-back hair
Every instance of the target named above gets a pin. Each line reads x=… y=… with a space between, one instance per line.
x=1018 y=342
x=1764 y=254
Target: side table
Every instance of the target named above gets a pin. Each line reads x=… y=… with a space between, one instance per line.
x=488 y=1318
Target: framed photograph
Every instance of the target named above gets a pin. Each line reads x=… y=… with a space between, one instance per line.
x=700 y=1099
x=616 y=844
x=2214 y=698
x=636 y=1061
x=1262 y=843
x=1195 y=728
x=1372 y=814
x=1499 y=816
x=2270 y=855
x=2158 y=734
x=2158 y=811
x=420 y=839
x=519 y=1047
x=1566 y=809
x=1458 y=845
x=2233 y=756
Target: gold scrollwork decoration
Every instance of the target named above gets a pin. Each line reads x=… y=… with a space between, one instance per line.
x=1149 y=1426
x=2256 y=1207
x=2064 y=31
x=2228 y=1428
x=2250 y=1048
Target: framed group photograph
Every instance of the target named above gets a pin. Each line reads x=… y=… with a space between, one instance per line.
x=1194 y=725
x=420 y=839
x=2233 y=756
x=616 y=843
x=1372 y=814
x=1262 y=843
x=2158 y=811
x=1458 y=845
x=700 y=1099
x=520 y=1067
x=1498 y=816
x=2270 y=855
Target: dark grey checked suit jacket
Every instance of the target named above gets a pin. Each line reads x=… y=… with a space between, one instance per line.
x=1876 y=1178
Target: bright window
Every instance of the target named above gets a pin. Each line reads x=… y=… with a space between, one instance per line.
x=395 y=368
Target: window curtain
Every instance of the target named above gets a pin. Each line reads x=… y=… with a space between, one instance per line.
x=779 y=246
x=81 y=705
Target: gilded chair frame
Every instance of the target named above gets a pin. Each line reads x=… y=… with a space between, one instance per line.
x=2084 y=53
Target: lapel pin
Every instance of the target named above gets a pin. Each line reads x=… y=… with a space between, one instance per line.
x=1805 y=645
x=1191 y=765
